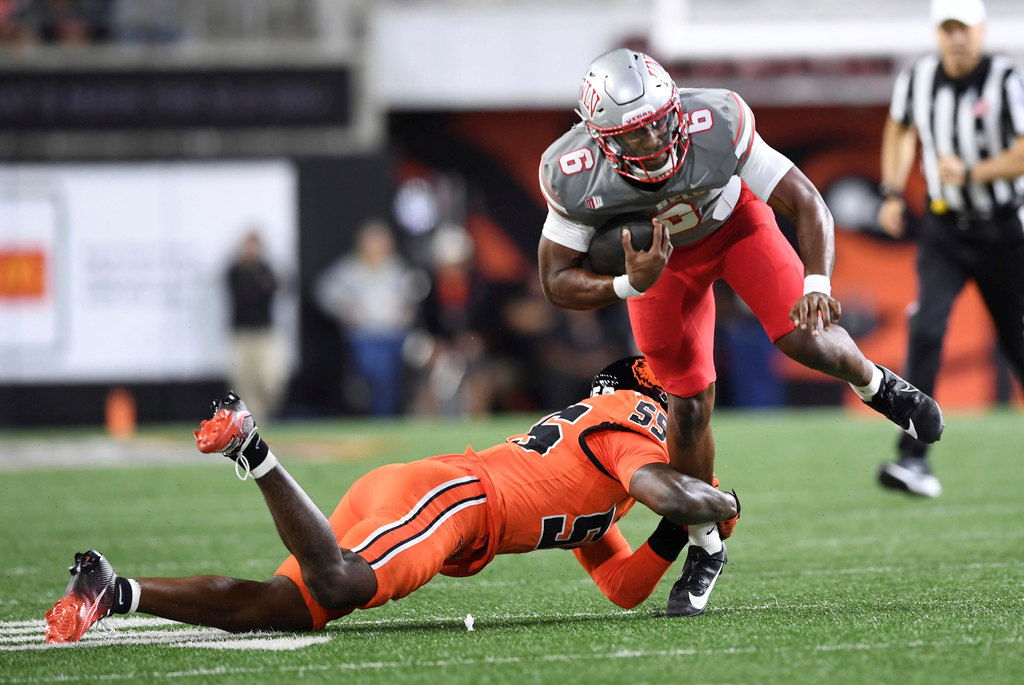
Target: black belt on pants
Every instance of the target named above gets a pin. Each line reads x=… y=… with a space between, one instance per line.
x=1001 y=224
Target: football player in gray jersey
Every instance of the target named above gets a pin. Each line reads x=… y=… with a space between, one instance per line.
x=691 y=160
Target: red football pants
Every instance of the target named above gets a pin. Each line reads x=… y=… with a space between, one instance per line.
x=674 y=321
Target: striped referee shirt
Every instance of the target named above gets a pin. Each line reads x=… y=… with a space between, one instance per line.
x=975 y=117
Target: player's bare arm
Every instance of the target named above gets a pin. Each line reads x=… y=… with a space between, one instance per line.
x=568 y=284
x=681 y=499
x=899 y=147
x=796 y=198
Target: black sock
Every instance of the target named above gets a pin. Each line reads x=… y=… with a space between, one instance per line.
x=668 y=540
x=256 y=451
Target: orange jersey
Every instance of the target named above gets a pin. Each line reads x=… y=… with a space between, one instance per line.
x=564 y=483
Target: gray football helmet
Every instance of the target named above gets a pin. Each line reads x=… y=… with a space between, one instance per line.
x=630 y=106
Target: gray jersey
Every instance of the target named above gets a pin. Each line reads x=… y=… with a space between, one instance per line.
x=583 y=190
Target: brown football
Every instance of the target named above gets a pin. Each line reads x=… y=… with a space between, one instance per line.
x=606 y=255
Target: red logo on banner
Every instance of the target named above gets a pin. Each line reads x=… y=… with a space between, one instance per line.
x=22 y=273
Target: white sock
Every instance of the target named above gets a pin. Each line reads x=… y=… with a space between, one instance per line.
x=136 y=595
x=126 y=595
x=266 y=466
x=868 y=391
x=706 y=535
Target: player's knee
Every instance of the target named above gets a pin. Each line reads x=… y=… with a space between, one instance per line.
x=691 y=413
x=328 y=589
x=351 y=583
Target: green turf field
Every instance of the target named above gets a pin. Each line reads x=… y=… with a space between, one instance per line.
x=832 y=579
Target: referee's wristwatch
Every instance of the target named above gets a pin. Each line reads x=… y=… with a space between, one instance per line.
x=888 y=191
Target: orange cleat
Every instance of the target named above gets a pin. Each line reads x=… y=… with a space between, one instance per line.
x=88 y=598
x=228 y=429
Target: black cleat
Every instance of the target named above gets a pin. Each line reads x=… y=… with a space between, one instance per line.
x=689 y=595
x=88 y=598
x=907 y=407
x=911 y=475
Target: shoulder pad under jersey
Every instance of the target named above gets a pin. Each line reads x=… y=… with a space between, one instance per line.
x=577 y=180
x=720 y=125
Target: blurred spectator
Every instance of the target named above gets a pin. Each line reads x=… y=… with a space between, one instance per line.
x=12 y=30
x=152 y=22
x=544 y=357
x=371 y=293
x=450 y=354
x=67 y=22
x=258 y=364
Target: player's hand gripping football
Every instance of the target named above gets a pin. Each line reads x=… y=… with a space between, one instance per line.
x=645 y=266
x=815 y=312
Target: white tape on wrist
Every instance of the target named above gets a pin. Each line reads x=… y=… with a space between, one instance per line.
x=816 y=283
x=623 y=288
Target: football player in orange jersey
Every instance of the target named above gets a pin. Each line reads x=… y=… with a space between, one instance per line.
x=564 y=483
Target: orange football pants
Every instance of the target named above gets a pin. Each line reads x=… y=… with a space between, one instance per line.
x=405 y=520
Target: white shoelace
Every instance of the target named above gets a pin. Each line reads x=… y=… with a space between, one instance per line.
x=246 y=472
x=241 y=459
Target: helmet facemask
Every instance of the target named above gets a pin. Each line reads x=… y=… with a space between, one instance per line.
x=649 y=148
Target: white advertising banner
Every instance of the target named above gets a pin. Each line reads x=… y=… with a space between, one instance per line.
x=115 y=272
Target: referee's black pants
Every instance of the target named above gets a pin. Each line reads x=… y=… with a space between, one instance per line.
x=951 y=251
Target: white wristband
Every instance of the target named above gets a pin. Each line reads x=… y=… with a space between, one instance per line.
x=623 y=288
x=816 y=283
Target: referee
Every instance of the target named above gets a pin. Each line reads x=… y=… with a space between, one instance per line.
x=967 y=109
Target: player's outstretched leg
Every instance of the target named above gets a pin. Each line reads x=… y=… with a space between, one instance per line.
x=96 y=592
x=337 y=578
x=833 y=351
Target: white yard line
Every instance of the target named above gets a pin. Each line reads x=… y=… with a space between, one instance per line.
x=10 y=629
x=470 y=582
x=490 y=661
x=272 y=644
x=102 y=638
x=113 y=622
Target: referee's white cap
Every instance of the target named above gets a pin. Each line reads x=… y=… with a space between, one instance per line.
x=969 y=12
